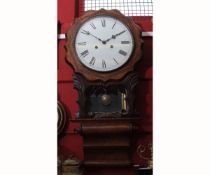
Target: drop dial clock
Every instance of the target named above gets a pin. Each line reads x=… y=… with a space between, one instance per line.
x=103 y=43
x=103 y=47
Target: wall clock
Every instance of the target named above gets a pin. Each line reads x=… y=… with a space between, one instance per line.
x=103 y=44
x=104 y=47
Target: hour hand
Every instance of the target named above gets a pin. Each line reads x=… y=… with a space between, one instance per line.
x=114 y=36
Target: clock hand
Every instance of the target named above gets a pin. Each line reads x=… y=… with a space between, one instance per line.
x=96 y=37
x=114 y=36
x=88 y=33
x=105 y=41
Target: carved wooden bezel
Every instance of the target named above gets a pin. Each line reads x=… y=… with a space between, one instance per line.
x=92 y=75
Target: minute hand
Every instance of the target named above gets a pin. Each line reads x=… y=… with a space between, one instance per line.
x=114 y=36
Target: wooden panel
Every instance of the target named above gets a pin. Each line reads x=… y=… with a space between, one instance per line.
x=103 y=142
x=107 y=143
x=106 y=127
x=110 y=171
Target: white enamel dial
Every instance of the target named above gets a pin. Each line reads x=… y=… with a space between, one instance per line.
x=103 y=43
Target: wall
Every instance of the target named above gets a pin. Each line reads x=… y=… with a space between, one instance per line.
x=71 y=142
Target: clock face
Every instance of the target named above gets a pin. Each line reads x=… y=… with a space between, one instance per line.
x=103 y=43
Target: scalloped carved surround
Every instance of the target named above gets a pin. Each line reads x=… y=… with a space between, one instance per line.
x=72 y=59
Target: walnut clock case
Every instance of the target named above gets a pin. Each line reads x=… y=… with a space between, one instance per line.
x=103 y=47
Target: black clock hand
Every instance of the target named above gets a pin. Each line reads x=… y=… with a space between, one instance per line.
x=114 y=36
x=96 y=37
x=88 y=33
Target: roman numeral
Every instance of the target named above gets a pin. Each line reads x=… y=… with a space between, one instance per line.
x=103 y=64
x=85 y=32
x=85 y=53
x=115 y=60
x=92 y=61
x=114 y=24
x=103 y=22
x=82 y=43
x=125 y=42
x=93 y=26
x=122 y=52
